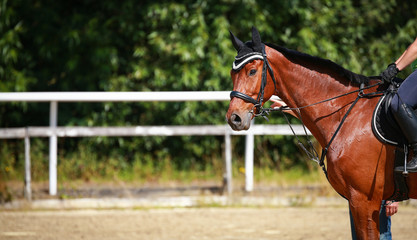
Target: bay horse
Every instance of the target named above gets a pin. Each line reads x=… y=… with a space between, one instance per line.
x=359 y=166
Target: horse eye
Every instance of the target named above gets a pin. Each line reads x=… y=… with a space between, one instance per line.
x=252 y=72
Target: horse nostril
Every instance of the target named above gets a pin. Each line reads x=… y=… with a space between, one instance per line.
x=235 y=119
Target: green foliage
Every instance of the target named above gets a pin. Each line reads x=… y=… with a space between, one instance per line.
x=177 y=46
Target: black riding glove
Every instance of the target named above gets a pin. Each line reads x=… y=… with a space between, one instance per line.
x=388 y=74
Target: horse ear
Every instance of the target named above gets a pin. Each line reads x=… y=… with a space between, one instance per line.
x=256 y=39
x=236 y=42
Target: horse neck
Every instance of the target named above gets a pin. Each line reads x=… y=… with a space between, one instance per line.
x=298 y=85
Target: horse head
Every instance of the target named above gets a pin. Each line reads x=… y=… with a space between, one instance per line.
x=251 y=81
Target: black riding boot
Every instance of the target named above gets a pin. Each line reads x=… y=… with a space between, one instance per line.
x=407 y=120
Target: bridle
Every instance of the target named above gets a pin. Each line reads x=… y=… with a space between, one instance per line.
x=257 y=103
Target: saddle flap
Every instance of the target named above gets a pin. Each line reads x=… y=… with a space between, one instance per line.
x=384 y=125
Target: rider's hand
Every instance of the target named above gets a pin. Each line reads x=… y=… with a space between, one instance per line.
x=391 y=208
x=388 y=74
x=277 y=103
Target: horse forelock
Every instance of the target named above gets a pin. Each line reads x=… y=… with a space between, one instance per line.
x=321 y=64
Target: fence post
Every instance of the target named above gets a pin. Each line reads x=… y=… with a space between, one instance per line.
x=249 y=149
x=53 y=148
x=228 y=156
x=28 y=189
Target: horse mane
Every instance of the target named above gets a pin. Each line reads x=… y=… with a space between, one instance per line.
x=322 y=65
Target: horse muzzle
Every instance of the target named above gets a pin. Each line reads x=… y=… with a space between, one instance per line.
x=239 y=121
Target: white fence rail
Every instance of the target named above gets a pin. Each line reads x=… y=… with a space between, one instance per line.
x=167 y=96
x=53 y=131
x=196 y=130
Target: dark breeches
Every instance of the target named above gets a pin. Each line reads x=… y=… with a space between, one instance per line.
x=407 y=93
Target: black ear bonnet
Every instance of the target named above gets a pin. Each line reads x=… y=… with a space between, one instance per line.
x=247 y=52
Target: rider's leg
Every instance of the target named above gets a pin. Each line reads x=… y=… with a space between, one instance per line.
x=407 y=120
x=402 y=108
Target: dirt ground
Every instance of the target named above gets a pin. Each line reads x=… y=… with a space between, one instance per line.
x=192 y=223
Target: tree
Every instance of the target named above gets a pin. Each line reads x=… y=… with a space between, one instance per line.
x=176 y=45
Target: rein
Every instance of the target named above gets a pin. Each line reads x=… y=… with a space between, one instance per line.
x=263 y=112
x=266 y=111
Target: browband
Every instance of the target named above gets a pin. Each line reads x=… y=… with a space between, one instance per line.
x=240 y=62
